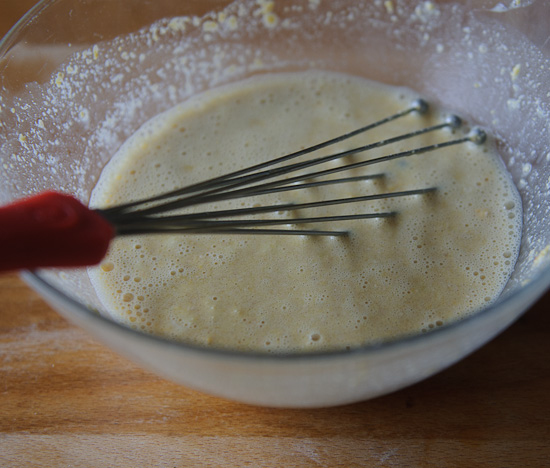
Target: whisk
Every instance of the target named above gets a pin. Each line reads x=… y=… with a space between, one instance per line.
x=57 y=230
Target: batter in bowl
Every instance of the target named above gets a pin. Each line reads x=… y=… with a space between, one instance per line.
x=443 y=257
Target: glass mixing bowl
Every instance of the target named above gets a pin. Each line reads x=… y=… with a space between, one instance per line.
x=78 y=77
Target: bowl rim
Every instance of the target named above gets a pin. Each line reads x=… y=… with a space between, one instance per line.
x=8 y=39
x=524 y=296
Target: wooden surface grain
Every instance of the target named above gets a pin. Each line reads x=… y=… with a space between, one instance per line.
x=67 y=401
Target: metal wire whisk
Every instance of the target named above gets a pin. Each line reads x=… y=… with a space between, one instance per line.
x=57 y=230
x=144 y=216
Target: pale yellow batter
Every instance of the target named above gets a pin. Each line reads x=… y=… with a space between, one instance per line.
x=443 y=257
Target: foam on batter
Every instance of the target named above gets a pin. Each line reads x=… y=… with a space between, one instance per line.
x=443 y=257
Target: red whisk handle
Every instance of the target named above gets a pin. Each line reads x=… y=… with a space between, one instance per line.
x=51 y=230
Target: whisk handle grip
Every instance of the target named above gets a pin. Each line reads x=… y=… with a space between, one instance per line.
x=51 y=230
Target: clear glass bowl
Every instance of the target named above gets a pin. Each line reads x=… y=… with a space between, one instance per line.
x=80 y=76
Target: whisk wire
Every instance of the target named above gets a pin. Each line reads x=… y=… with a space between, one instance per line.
x=191 y=226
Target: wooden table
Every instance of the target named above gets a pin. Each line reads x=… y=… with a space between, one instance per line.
x=66 y=400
